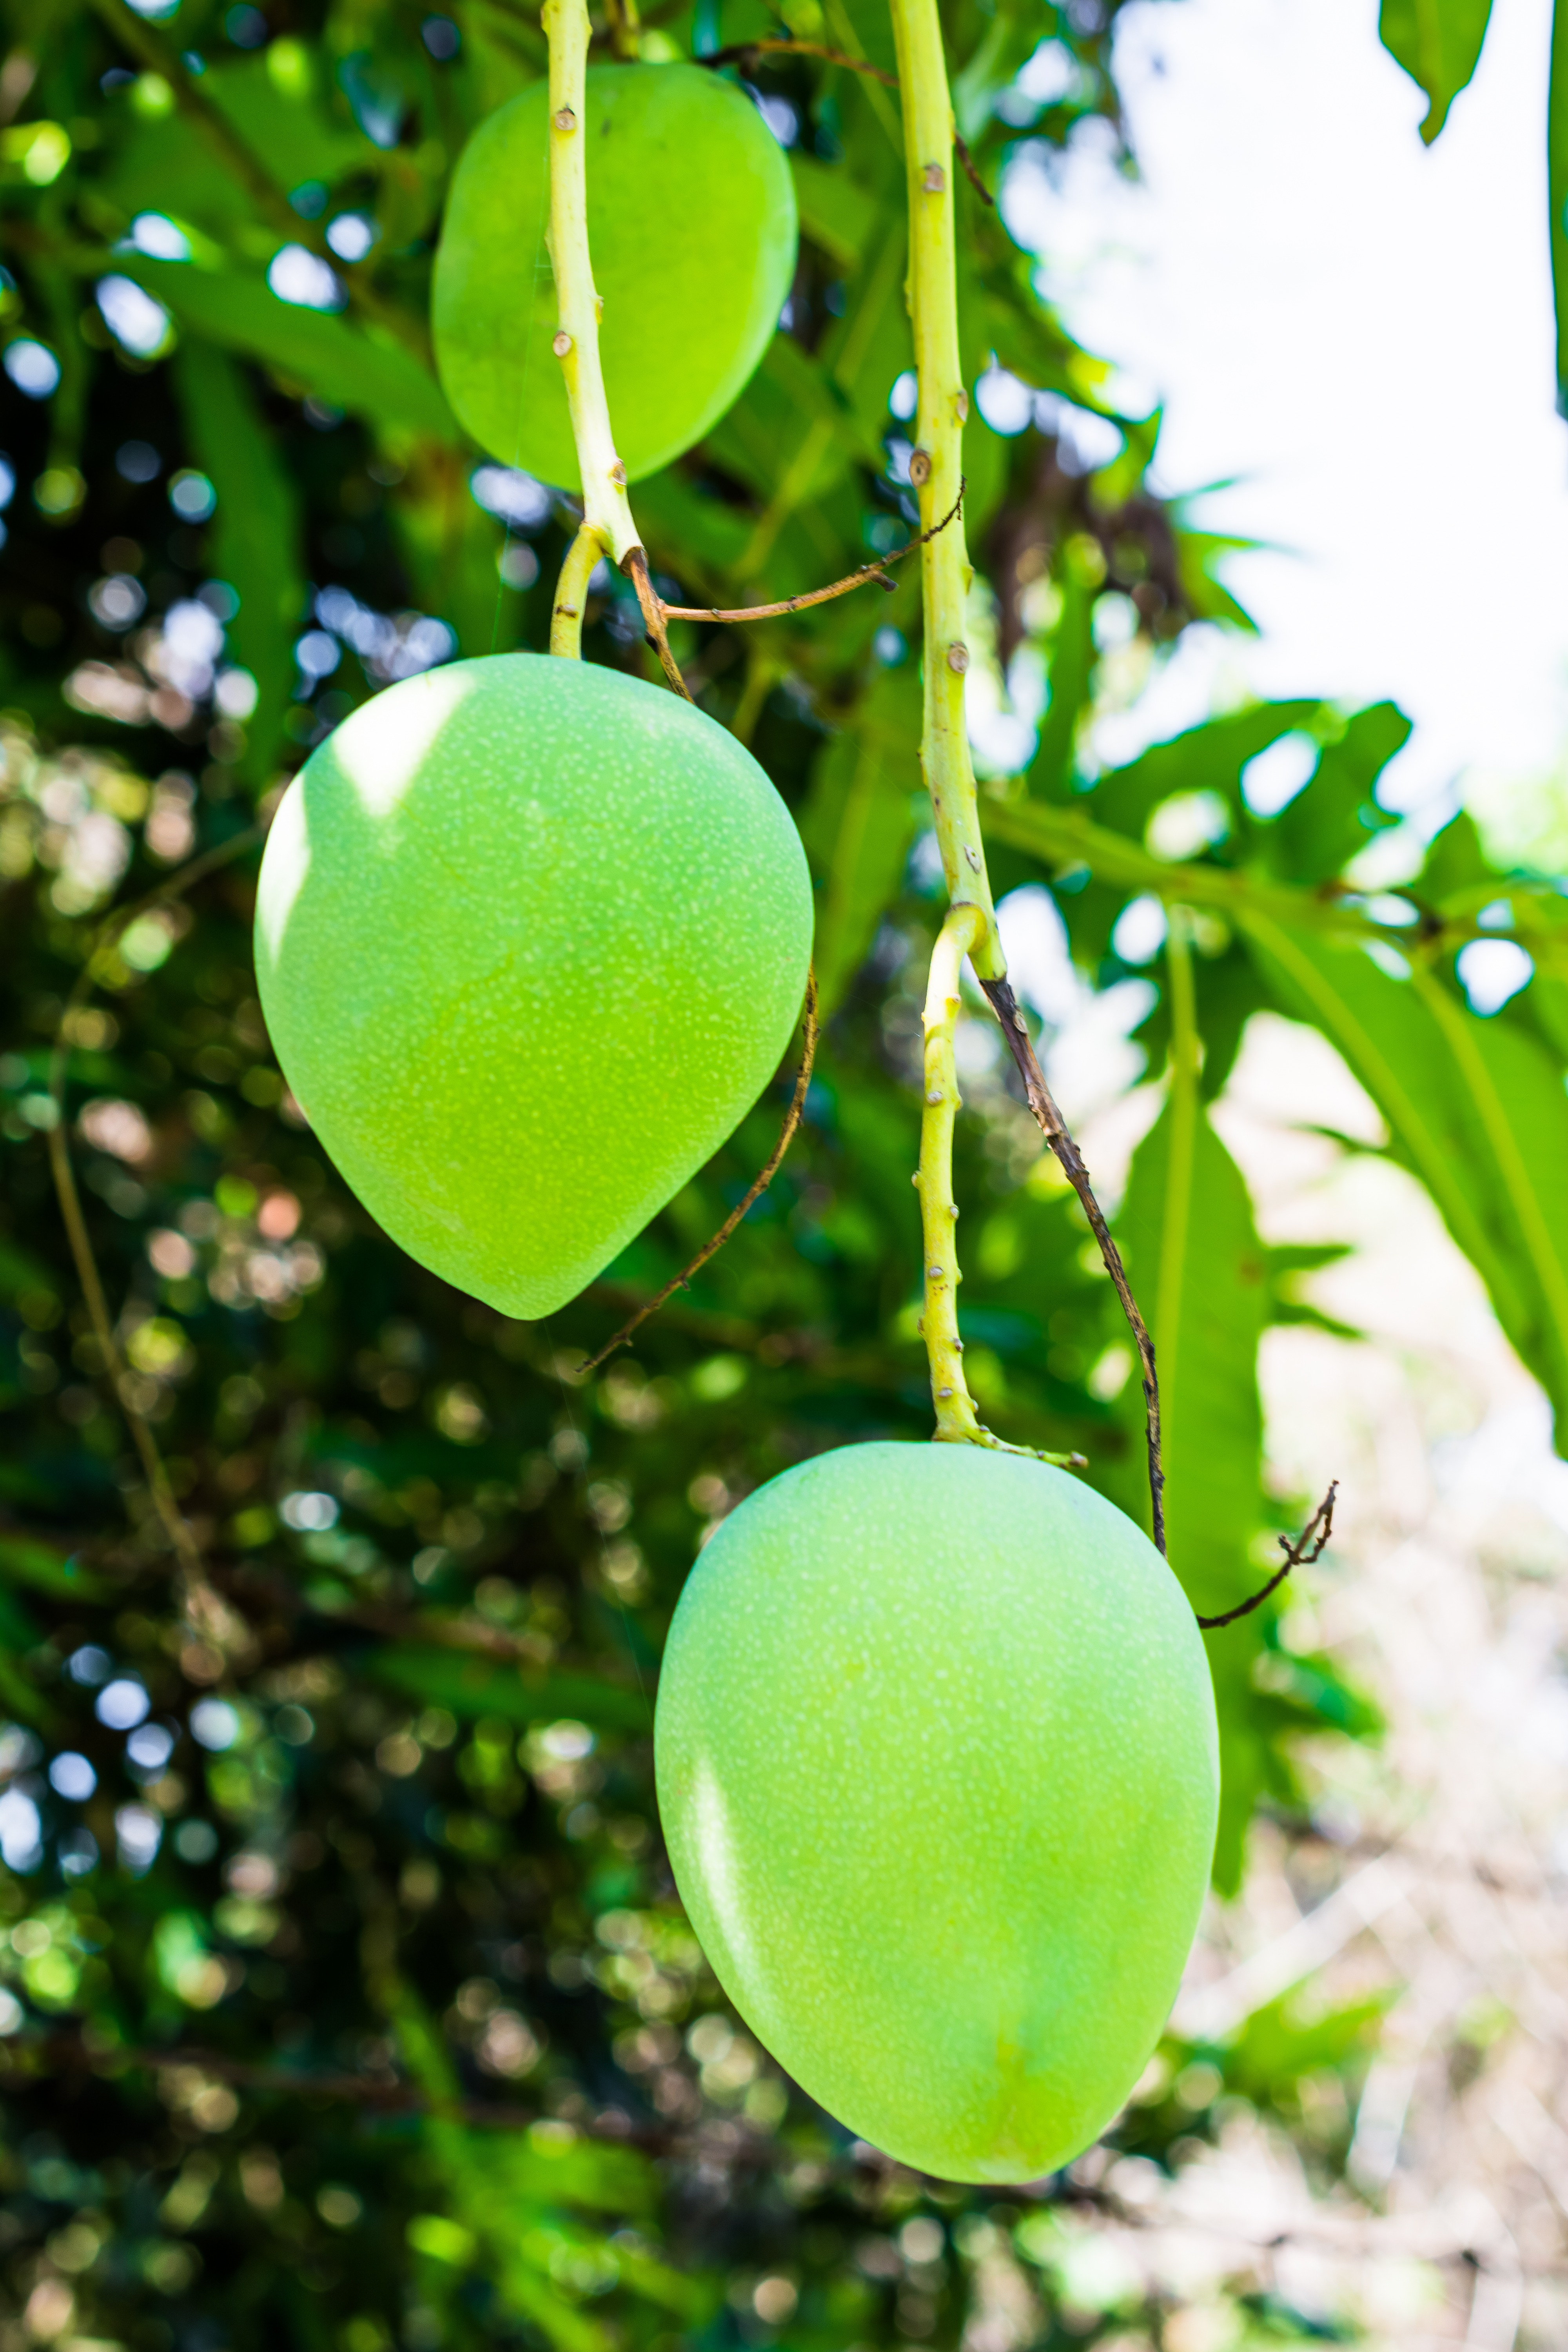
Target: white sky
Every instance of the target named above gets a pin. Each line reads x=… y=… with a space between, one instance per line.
x=1361 y=328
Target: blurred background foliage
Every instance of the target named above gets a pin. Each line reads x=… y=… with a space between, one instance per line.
x=345 y=1998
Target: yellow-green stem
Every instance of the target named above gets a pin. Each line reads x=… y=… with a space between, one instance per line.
x=955 y=1415
x=1178 y=1204
x=571 y=593
x=605 y=505
x=957 y=1422
x=936 y=467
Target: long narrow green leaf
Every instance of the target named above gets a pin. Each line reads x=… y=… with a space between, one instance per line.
x=1439 y=43
x=836 y=212
x=378 y=380
x=255 y=534
x=858 y=824
x=1557 y=189
x=1477 y=1110
x=1200 y=1272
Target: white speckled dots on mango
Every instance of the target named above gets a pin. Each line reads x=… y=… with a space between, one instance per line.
x=938 y=1771
x=530 y=940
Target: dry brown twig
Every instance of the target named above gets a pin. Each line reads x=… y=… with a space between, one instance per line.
x=654 y=610
x=1053 y=1127
x=1307 y=1547
x=765 y=1178
x=859 y=578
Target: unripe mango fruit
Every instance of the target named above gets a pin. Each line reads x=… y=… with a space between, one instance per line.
x=531 y=939
x=938 y=1770
x=691 y=228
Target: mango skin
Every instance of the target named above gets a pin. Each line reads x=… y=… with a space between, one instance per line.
x=692 y=230
x=938 y=1770
x=532 y=938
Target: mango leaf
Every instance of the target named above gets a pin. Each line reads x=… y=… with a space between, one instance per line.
x=1456 y=865
x=869 y=347
x=1200 y=1274
x=1439 y=43
x=1476 y=1109
x=1009 y=39
x=20 y=1270
x=529 y=2293
x=501 y=2193
x=272 y=101
x=858 y=824
x=19 y=1629
x=1071 y=656
x=1318 y=834
x=1209 y=759
x=985 y=464
x=787 y=437
x=449 y=545
x=1287 y=1260
x=256 y=535
x=1199 y=557
x=836 y=212
x=549 y=2167
x=1280 y=2043
x=24 y=1560
x=470 y=1685
x=1557 y=190
x=691 y=533
x=343 y=364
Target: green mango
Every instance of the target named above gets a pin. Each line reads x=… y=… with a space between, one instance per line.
x=939 y=1775
x=692 y=230
x=531 y=939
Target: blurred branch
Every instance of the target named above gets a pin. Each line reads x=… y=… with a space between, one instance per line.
x=61 y=2053
x=173 y=1519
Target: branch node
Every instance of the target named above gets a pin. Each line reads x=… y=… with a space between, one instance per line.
x=654 y=610
x=1307 y=1547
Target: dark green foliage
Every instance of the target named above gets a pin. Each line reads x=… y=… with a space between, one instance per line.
x=400 y=2036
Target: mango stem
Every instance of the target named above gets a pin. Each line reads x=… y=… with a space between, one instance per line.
x=956 y=1418
x=571 y=592
x=936 y=468
x=605 y=505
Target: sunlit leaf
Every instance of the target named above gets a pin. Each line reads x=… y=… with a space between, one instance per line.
x=1439 y=43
